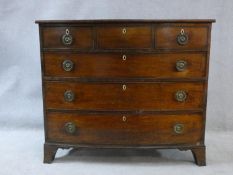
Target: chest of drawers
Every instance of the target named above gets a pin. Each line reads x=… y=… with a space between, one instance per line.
x=125 y=84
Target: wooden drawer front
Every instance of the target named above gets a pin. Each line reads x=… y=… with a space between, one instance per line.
x=124 y=129
x=166 y=37
x=194 y=96
x=128 y=96
x=117 y=37
x=103 y=96
x=81 y=37
x=125 y=65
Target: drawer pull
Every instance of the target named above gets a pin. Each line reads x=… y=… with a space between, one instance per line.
x=123 y=87
x=69 y=96
x=180 y=96
x=68 y=65
x=67 y=38
x=124 y=31
x=124 y=118
x=181 y=65
x=182 y=38
x=178 y=128
x=124 y=57
x=70 y=128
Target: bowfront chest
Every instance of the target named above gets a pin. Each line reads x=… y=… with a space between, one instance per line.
x=125 y=83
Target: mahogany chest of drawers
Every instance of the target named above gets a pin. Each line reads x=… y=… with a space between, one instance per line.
x=125 y=84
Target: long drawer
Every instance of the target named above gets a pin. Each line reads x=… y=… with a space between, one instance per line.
x=172 y=65
x=124 y=96
x=120 y=129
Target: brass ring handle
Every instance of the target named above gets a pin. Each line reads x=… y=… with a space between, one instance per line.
x=69 y=96
x=70 y=128
x=180 y=96
x=178 y=128
x=182 y=38
x=67 y=38
x=68 y=65
x=181 y=65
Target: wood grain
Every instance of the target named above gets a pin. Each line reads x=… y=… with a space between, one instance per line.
x=109 y=96
x=134 y=38
x=112 y=65
x=82 y=37
x=166 y=37
x=136 y=130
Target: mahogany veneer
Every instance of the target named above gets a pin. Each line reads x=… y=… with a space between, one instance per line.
x=125 y=84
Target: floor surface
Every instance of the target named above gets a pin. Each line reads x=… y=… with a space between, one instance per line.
x=22 y=153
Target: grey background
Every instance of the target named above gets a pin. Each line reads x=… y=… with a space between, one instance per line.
x=20 y=77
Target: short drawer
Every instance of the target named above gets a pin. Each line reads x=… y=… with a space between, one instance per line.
x=67 y=37
x=124 y=96
x=117 y=37
x=124 y=129
x=181 y=37
x=172 y=65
